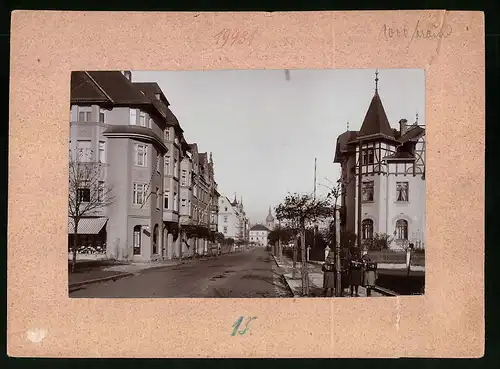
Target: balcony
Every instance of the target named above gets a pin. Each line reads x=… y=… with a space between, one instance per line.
x=170 y=216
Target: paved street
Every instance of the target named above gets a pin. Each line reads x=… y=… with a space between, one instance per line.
x=243 y=274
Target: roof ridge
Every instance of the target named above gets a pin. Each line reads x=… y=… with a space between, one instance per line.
x=99 y=87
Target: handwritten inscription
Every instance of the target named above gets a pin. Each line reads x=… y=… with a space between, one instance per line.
x=237 y=325
x=419 y=31
x=230 y=37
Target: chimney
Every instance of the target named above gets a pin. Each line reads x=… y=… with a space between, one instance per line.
x=127 y=74
x=403 y=127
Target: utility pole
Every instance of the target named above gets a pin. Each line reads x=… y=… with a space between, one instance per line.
x=360 y=168
x=314 y=195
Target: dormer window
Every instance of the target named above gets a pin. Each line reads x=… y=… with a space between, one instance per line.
x=158 y=96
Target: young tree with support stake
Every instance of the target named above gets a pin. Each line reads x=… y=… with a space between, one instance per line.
x=335 y=192
x=88 y=194
x=299 y=211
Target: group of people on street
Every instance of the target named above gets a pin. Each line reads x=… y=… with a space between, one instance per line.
x=354 y=271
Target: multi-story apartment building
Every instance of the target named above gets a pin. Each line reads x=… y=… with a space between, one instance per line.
x=259 y=234
x=232 y=222
x=128 y=131
x=383 y=171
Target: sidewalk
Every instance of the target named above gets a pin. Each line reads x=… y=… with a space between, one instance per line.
x=315 y=279
x=104 y=273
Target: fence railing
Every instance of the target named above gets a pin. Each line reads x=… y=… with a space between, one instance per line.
x=397 y=257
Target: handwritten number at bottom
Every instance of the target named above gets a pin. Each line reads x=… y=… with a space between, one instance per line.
x=237 y=325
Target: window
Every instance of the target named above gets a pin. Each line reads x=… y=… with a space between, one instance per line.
x=184 y=178
x=137 y=240
x=167 y=134
x=401 y=229
x=142 y=119
x=167 y=164
x=85 y=116
x=100 y=191
x=133 y=117
x=141 y=155
x=368 y=156
x=368 y=191
x=158 y=201
x=157 y=96
x=176 y=202
x=83 y=195
x=165 y=199
x=150 y=123
x=183 y=205
x=176 y=167
x=84 y=150
x=102 y=152
x=102 y=116
x=367 y=229
x=139 y=193
x=225 y=209
x=158 y=163
x=402 y=191
x=225 y=219
x=155 y=239
x=225 y=229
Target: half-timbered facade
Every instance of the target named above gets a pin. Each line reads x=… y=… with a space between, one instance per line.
x=383 y=167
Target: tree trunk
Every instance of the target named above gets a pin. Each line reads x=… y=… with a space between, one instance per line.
x=280 y=254
x=305 y=276
x=295 y=246
x=75 y=246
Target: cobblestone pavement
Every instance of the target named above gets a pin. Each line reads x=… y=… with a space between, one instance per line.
x=243 y=274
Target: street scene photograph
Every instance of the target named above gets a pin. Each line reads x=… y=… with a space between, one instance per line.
x=247 y=183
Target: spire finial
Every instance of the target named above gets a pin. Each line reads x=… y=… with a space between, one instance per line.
x=376 y=80
x=416 y=118
x=348 y=126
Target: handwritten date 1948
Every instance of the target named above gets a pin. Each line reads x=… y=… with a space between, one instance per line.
x=230 y=37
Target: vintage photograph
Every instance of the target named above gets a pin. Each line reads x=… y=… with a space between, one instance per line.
x=247 y=183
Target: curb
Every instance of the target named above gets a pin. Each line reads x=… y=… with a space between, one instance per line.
x=284 y=278
x=98 y=280
x=385 y=291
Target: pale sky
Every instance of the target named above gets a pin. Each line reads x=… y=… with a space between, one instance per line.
x=264 y=131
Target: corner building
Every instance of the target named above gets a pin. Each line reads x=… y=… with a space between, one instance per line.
x=383 y=170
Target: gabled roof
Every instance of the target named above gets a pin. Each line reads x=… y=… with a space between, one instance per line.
x=414 y=132
x=259 y=227
x=203 y=158
x=193 y=148
x=375 y=121
x=105 y=87
x=342 y=144
x=84 y=89
x=152 y=88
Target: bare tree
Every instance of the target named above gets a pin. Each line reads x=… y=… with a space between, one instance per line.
x=299 y=211
x=88 y=193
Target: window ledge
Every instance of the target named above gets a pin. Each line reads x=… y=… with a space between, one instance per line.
x=368 y=202
x=401 y=202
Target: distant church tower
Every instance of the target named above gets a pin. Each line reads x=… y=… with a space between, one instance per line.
x=270 y=220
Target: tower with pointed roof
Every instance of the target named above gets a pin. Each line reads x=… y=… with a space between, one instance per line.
x=384 y=168
x=270 y=220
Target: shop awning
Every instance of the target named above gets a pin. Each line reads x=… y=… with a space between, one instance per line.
x=87 y=225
